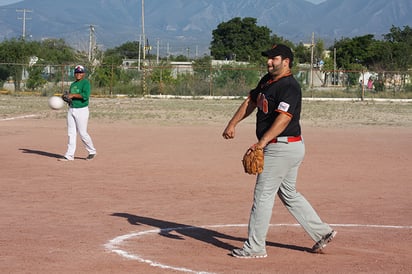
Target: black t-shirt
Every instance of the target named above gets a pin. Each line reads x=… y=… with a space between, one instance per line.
x=273 y=98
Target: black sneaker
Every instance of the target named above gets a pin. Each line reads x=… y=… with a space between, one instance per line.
x=90 y=157
x=241 y=253
x=321 y=244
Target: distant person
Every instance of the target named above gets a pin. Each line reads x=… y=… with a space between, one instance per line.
x=278 y=100
x=370 y=83
x=78 y=115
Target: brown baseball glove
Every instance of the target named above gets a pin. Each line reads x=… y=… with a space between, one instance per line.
x=253 y=160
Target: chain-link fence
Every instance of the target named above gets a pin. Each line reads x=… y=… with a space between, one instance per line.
x=188 y=79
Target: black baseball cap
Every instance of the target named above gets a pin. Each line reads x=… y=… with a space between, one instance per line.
x=279 y=49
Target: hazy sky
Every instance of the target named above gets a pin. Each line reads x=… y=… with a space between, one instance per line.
x=6 y=2
x=316 y=1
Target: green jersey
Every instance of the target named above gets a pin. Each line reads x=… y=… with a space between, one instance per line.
x=81 y=87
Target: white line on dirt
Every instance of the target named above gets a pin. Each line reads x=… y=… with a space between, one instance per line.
x=19 y=117
x=114 y=245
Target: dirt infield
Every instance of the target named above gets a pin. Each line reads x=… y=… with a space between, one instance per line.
x=172 y=199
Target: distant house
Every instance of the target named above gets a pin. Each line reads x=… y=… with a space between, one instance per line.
x=130 y=63
x=181 y=68
x=219 y=63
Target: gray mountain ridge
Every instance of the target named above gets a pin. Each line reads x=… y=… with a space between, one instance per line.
x=183 y=26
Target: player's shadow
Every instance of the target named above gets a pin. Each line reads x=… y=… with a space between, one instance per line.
x=39 y=152
x=44 y=153
x=177 y=231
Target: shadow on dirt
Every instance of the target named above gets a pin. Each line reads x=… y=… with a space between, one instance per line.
x=178 y=231
x=39 y=152
x=46 y=154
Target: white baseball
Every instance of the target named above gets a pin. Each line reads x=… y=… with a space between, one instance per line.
x=56 y=102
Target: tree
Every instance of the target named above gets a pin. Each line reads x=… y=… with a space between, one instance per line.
x=103 y=76
x=398 y=35
x=302 y=54
x=179 y=58
x=400 y=42
x=240 y=39
x=352 y=52
x=15 y=54
x=36 y=78
x=52 y=53
x=109 y=73
x=274 y=39
x=318 y=51
x=128 y=50
x=393 y=53
x=55 y=52
x=232 y=78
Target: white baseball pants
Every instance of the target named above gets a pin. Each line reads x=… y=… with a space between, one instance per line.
x=77 y=120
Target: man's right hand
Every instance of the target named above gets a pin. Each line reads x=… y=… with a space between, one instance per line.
x=229 y=132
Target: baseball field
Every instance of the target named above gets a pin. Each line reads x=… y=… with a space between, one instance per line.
x=167 y=194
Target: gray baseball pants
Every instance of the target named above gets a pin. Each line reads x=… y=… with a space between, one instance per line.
x=282 y=161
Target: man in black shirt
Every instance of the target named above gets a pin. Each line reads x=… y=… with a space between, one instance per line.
x=278 y=99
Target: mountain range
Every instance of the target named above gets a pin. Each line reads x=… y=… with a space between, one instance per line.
x=183 y=26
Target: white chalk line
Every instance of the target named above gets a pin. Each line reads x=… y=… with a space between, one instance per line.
x=19 y=117
x=114 y=244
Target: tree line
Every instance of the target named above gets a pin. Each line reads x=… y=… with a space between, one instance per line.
x=243 y=39
x=239 y=39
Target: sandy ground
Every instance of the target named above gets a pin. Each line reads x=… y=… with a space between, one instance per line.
x=172 y=199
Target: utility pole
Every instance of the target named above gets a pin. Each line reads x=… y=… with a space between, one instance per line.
x=157 y=50
x=311 y=59
x=24 y=11
x=92 y=43
x=140 y=50
x=144 y=52
x=143 y=33
x=335 y=78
